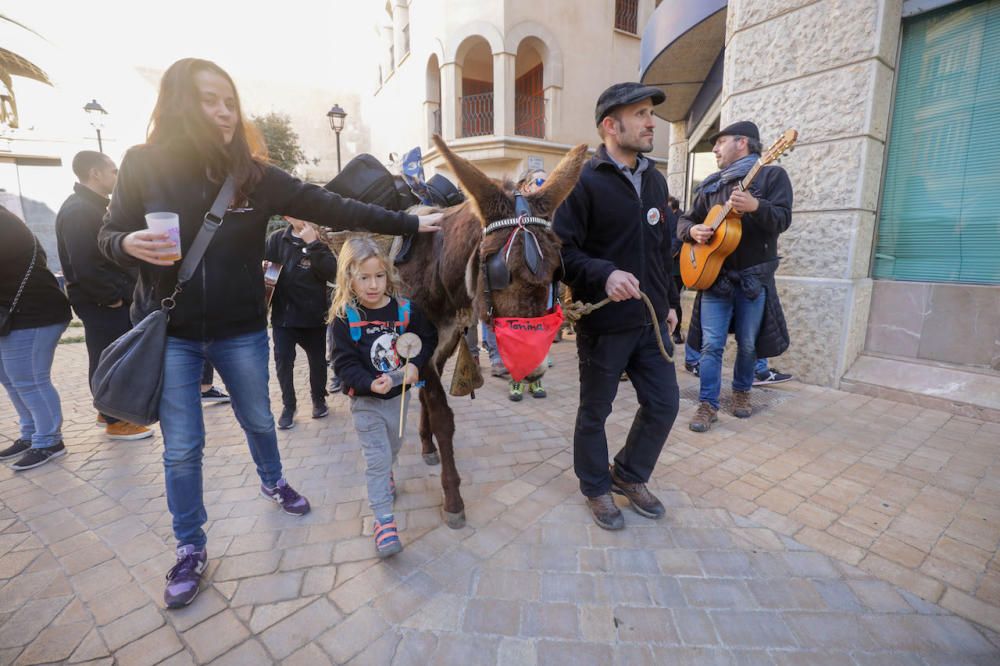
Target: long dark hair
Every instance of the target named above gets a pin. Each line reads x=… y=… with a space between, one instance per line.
x=178 y=120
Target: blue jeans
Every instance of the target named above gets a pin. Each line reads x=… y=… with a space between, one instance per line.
x=241 y=361
x=490 y=343
x=716 y=313
x=25 y=371
x=691 y=356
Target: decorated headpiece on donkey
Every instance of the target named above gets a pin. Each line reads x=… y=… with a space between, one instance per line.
x=513 y=276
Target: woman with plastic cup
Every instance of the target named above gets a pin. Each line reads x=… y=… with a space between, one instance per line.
x=197 y=137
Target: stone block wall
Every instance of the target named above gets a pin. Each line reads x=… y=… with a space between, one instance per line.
x=677 y=160
x=825 y=68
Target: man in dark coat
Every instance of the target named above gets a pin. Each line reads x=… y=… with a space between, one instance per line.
x=99 y=291
x=744 y=290
x=616 y=243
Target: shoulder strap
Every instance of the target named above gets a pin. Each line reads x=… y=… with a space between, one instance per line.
x=210 y=224
x=31 y=267
x=402 y=313
x=353 y=321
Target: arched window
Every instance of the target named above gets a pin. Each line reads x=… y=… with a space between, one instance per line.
x=477 y=88
x=529 y=98
x=433 y=97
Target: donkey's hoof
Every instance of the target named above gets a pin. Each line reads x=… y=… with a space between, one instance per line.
x=432 y=458
x=455 y=521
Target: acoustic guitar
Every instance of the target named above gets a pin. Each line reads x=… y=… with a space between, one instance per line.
x=272 y=270
x=701 y=262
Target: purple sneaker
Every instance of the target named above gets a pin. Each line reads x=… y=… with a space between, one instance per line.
x=290 y=501
x=184 y=577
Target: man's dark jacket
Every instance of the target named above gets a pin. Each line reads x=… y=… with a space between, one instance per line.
x=759 y=242
x=300 y=297
x=90 y=277
x=758 y=245
x=605 y=227
x=225 y=297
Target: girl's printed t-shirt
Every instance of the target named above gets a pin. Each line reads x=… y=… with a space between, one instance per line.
x=357 y=364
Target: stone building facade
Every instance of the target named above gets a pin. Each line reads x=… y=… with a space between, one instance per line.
x=508 y=83
x=831 y=69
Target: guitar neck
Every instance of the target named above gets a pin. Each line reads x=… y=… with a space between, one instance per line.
x=744 y=184
x=754 y=170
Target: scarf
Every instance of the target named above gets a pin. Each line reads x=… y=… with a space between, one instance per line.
x=734 y=171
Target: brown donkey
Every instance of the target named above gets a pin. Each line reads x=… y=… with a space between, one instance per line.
x=443 y=278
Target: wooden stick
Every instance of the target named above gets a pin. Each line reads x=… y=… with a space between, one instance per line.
x=402 y=399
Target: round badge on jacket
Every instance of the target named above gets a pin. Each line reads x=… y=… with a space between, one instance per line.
x=653 y=215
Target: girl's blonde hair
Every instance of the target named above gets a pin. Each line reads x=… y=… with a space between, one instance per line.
x=355 y=252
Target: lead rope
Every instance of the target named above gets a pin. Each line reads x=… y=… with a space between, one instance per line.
x=577 y=309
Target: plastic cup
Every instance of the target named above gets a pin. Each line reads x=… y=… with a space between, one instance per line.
x=169 y=224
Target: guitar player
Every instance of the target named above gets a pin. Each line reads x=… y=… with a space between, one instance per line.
x=298 y=311
x=743 y=298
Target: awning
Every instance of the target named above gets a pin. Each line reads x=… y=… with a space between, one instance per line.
x=680 y=44
x=20 y=50
x=15 y=65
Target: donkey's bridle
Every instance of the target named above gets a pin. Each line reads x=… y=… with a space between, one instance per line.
x=509 y=222
x=496 y=273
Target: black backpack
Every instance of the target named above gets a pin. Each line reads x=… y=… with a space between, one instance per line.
x=365 y=179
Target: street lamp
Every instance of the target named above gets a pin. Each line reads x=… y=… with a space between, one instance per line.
x=96 y=113
x=337 y=116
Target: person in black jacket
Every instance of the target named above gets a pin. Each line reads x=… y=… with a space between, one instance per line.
x=298 y=311
x=741 y=294
x=99 y=290
x=27 y=349
x=616 y=243
x=197 y=139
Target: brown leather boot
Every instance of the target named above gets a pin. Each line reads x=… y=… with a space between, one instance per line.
x=741 y=404
x=704 y=418
x=605 y=513
x=644 y=502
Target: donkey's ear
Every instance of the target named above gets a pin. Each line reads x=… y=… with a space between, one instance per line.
x=480 y=187
x=472 y=275
x=559 y=183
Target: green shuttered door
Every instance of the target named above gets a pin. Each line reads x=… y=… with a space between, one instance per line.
x=940 y=215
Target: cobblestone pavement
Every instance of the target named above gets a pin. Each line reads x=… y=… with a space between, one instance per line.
x=757 y=562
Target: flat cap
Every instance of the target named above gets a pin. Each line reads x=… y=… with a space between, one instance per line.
x=740 y=128
x=621 y=94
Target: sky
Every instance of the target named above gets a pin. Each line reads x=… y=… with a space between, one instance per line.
x=297 y=57
x=284 y=47
x=298 y=40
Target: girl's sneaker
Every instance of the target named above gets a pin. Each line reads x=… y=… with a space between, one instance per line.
x=536 y=390
x=387 y=537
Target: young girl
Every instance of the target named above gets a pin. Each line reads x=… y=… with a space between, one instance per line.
x=368 y=315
